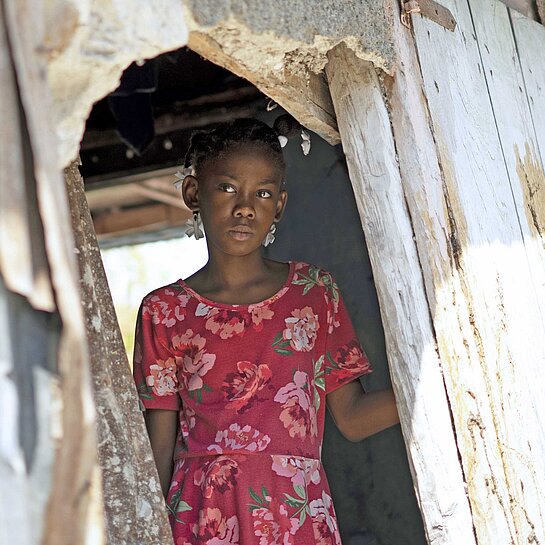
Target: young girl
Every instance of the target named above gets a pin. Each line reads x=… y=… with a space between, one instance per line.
x=235 y=365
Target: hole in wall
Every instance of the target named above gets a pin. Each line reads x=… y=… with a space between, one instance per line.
x=131 y=148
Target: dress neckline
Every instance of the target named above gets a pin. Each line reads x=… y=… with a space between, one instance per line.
x=268 y=301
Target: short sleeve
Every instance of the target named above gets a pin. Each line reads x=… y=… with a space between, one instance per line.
x=154 y=369
x=345 y=359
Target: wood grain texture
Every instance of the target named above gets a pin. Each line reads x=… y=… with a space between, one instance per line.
x=424 y=191
x=530 y=155
x=488 y=312
x=22 y=258
x=530 y=41
x=133 y=505
x=368 y=143
x=75 y=490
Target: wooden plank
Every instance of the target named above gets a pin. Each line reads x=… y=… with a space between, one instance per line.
x=75 y=490
x=161 y=196
x=423 y=187
x=530 y=40
x=22 y=259
x=521 y=154
x=142 y=218
x=134 y=504
x=487 y=315
x=15 y=255
x=415 y=369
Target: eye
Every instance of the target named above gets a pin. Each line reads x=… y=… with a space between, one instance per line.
x=264 y=193
x=228 y=188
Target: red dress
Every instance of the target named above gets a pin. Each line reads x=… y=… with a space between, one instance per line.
x=249 y=382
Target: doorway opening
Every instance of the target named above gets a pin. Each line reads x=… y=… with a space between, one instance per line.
x=132 y=147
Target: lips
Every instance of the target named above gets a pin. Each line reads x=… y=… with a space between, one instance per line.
x=241 y=229
x=241 y=232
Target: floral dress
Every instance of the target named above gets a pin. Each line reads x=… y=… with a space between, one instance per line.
x=249 y=382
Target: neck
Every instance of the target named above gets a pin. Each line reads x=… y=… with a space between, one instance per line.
x=235 y=271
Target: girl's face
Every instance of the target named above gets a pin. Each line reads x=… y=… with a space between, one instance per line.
x=239 y=195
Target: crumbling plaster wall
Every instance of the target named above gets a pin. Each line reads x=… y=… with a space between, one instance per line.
x=89 y=44
x=278 y=45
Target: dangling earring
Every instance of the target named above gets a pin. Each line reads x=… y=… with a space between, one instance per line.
x=194 y=226
x=269 y=239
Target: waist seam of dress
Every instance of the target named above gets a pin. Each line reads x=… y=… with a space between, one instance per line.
x=204 y=454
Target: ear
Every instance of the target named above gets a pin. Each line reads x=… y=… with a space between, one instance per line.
x=281 y=204
x=190 y=192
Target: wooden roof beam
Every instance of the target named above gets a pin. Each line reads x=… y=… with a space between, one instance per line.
x=152 y=217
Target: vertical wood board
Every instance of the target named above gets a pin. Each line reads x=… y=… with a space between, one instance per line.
x=75 y=490
x=134 y=508
x=530 y=40
x=22 y=261
x=368 y=143
x=496 y=306
x=524 y=386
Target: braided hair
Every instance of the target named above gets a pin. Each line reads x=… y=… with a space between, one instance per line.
x=211 y=144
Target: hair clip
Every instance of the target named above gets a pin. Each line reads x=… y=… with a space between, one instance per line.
x=181 y=174
x=283 y=140
x=305 y=144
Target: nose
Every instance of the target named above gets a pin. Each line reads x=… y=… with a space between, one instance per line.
x=244 y=208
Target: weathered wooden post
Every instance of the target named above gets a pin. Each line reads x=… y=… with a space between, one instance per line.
x=50 y=480
x=368 y=143
x=133 y=502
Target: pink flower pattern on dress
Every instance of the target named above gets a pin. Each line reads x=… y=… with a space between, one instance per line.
x=324 y=522
x=218 y=474
x=236 y=438
x=332 y=314
x=193 y=358
x=301 y=471
x=226 y=323
x=241 y=388
x=162 y=378
x=350 y=358
x=163 y=313
x=187 y=420
x=298 y=411
x=301 y=329
x=273 y=524
x=258 y=313
x=215 y=529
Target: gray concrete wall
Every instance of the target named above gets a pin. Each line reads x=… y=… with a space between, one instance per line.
x=370 y=480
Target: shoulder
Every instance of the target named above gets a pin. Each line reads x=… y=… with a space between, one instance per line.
x=302 y=267
x=164 y=294
x=315 y=278
x=315 y=272
x=164 y=301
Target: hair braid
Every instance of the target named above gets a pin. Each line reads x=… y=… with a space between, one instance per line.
x=210 y=144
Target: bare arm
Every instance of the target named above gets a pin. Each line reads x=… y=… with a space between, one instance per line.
x=162 y=426
x=358 y=414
